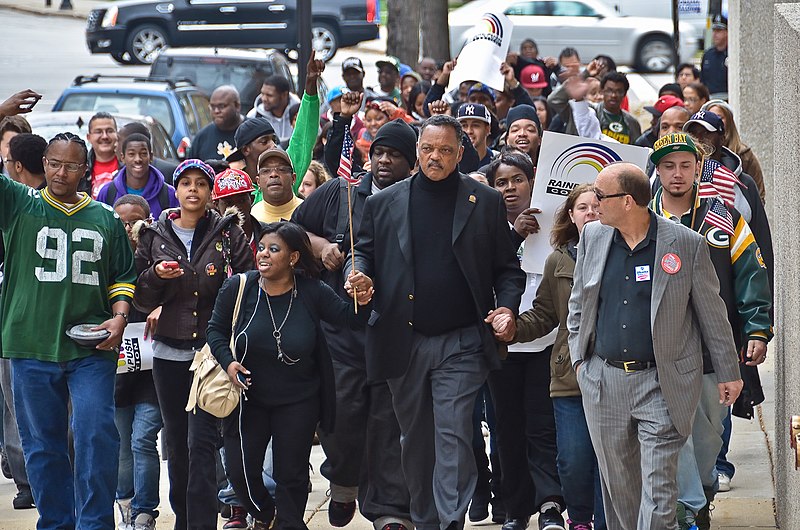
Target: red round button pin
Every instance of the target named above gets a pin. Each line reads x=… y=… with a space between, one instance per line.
x=671 y=263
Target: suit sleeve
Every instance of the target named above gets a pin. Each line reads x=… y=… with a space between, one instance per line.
x=542 y=318
x=576 y=303
x=509 y=279
x=712 y=316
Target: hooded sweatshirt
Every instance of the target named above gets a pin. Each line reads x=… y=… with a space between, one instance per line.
x=151 y=192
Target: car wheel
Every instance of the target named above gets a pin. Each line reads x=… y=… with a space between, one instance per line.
x=324 y=41
x=122 y=58
x=654 y=54
x=145 y=42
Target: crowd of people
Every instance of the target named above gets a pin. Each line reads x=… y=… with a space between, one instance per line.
x=354 y=265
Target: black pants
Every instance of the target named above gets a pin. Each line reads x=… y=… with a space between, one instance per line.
x=247 y=433
x=526 y=432
x=364 y=449
x=191 y=442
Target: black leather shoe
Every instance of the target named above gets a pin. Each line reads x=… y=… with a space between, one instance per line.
x=341 y=513
x=516 y=524
x=551 y=520
x=23 y=500
x=479 y=508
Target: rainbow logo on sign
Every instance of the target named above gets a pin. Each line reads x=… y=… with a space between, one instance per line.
x=582 y=157
x=489 y=28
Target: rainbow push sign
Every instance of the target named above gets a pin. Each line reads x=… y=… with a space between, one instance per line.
x=565 y=161
x=489 y=28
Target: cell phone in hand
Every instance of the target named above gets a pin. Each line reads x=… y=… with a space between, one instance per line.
x=243 y=379
x=171 y=265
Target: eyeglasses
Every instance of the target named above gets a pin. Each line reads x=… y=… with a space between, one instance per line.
x=221 y=106
x=70 y=167
x=601 y=197
x=129 y=224
x=280 y=170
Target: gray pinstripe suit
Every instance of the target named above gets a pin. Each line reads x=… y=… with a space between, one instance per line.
x=639 y=421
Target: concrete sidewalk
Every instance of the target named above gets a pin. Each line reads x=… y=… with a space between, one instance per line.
x=749 y=504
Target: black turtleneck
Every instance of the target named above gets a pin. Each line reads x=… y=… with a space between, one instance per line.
x=442 y=298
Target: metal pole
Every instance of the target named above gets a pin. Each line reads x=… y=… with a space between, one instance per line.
x=676 y=37
x=304 y=48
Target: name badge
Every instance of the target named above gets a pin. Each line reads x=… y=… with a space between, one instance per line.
x=643 y=273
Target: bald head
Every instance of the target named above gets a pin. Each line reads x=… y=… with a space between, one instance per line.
x=225 y=107
x=624 y=177
x=672 y=120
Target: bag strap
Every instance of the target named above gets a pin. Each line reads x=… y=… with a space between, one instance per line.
x=236 y=308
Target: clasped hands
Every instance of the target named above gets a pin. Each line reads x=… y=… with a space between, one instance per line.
x=361 y=284
x=503 y=322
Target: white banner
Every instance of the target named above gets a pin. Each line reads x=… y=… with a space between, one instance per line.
x=135 y=353
x=484 y=52
x=565 y=161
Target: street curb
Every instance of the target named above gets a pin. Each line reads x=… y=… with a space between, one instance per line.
x=39 y=11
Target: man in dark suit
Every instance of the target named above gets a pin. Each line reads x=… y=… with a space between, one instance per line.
x=439 y=249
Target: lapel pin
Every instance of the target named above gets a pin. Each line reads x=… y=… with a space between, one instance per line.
x=671 y=263
x=472 y=199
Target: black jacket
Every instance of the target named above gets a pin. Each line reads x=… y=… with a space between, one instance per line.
x=321 y=302
x=188 y=300
x=383 y=252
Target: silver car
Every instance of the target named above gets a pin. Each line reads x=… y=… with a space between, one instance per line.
x=589 y=26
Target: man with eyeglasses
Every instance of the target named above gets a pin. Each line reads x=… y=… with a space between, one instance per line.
x=68 y=262
x=275 y=179
x=215 y=141
x=615 y=122
x=102 y=164
x=644 y=303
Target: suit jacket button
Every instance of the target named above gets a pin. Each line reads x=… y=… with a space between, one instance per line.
x=410 y=324
x=194 y=335
x=411 y=297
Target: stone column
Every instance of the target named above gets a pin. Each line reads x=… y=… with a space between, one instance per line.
x=786 y=234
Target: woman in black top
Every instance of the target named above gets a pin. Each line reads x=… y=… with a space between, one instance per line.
x=283 y=366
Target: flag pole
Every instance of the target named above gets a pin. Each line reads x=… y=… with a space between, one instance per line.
x=352 y=244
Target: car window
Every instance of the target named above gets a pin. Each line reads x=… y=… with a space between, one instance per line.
x=188 y=113
x=201 y=106
x=162 y=145
x=155 y=106
x=529 y=8
x=572 y=9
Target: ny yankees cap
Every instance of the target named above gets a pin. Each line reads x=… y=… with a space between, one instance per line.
x=474 y=111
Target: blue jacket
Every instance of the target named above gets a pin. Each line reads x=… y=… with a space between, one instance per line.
x=157 y=198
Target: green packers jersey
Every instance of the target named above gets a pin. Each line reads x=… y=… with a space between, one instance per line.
x=64 y=265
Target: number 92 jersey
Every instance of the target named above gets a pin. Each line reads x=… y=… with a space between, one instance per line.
x=64 y=265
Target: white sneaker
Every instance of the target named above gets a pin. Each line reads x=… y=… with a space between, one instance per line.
x=724 y=482
x=124 y=509
x=144 y=521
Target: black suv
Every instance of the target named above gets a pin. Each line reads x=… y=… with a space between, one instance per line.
x=208 y=68
x=134 y=31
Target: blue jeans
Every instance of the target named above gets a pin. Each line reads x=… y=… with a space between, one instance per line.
x=139 y=466
x=65 y=499
x=577 y=463
x=723 y=465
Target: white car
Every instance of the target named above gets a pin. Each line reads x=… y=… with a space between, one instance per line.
x=589 y=26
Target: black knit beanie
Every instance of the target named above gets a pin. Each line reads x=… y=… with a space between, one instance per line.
x=523 y=112
x=398 y=135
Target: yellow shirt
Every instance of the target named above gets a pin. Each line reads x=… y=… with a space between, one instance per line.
x=267 y=213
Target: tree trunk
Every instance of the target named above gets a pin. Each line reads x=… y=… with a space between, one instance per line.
x=435 y=37
x=403 y=30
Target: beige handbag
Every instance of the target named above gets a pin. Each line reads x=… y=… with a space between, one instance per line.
x=212 y=389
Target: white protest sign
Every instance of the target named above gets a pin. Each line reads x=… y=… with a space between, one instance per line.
x=565 y=161
x=484 y=52
x=135 y=353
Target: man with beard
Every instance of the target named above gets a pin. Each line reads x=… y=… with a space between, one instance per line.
x=744 y=288
x=363 y=452
x=439 y=249
x=215 y=140
x=102 y=164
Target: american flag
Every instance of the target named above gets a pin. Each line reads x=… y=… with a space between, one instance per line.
x=716 y=179
x=719 y=216
x=346 y=161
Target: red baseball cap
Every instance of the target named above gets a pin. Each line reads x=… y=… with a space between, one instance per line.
x=533 y=76
x=231 y=182
x=664 y=103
